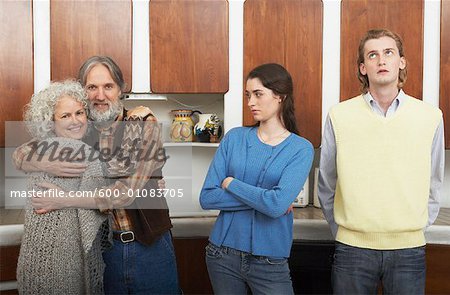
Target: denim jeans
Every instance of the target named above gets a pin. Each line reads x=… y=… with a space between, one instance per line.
x=134 y=268
x=358 y=270
x=234 y=272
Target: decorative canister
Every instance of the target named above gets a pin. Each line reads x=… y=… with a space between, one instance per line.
x=208 y=128
x=182 y=126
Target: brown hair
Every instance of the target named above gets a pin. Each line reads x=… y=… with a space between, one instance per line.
x=376 y=34
x=276 y=78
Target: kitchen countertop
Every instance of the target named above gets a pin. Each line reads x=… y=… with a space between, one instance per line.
x=16 y=216
x=309 y=225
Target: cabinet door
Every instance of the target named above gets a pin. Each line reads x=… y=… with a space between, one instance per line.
x=80 y=29
x=289 y=33
x=404 y=17
x=444 y=100
x=192 y=272
x=16 y=60
x=310 y=264
x=189 y=46
x=438 y=269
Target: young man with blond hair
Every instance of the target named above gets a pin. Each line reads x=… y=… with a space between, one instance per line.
x=381 y=169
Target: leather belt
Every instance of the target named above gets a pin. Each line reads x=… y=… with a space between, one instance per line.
x=124 y=237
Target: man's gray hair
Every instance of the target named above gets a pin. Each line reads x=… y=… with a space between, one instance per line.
x=106 y=61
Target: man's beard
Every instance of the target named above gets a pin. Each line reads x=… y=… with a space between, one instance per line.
x=110 y=115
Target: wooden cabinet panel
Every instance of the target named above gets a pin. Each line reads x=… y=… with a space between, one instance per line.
x=304 y=61
x=288 y=33
x=189 y=46
x=80 y=29
x=405 y=17
x=8 y=262
x=438 y=269
x=16 y=60
x=310 y=265
x=264 y=37
x=444 y=100
x=192 y=271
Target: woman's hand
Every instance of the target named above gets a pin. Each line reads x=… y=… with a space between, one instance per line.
x=290 y=209
x=226 y=182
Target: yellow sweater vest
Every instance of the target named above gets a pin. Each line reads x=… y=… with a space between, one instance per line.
x=383 y=168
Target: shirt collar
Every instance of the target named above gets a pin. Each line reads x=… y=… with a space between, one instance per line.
x=399 y=99
x=396 y=103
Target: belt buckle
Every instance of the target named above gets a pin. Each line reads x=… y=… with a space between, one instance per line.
x=127 y=236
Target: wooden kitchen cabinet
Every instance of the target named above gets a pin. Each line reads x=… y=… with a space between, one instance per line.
x=192 y=272
x=310 y=265
x=16 y=61
x=357 y=17
x=444 y=98
x=189 y=46
x=438 y=269
x=80 y=29
x=289 y=33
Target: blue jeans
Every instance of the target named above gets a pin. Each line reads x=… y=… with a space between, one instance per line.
x=234 y=272
x=134 y=268
x=358 y=270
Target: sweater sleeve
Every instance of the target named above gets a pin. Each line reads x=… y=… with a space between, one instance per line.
x=274 y=202
x=212 y=196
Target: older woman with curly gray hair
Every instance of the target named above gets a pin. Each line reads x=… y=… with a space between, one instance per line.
x=61 y=250
x=40 y=112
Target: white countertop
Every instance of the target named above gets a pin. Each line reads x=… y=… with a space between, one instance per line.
x=304 y=229
x=193 y=227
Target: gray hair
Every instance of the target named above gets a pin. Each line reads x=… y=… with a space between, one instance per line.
x=39 y=112
x=106 y=61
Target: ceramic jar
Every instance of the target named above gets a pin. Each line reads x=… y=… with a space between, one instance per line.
x=182 y=126
x=208 y=128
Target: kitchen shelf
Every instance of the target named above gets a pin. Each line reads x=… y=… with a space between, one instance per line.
x=190 y=144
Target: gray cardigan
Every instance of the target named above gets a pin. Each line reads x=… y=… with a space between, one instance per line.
x=61 y=251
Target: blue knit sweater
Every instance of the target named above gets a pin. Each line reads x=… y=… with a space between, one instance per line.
x=267 y=179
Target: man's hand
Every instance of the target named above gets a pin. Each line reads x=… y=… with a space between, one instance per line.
x=161 y=184
x=139 y=111
x=54 y=198
x=53 y=167
x=51 y=199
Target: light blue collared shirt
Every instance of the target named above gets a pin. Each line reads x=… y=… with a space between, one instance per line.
x=327 y=167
